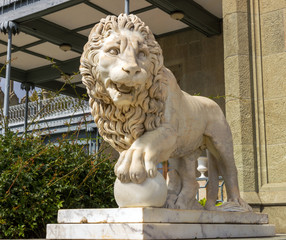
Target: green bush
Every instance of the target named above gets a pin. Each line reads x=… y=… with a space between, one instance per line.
x=204 y=201
x=37 y=179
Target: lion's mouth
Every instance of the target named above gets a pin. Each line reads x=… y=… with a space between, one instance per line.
x=120 y=88
x=123 y=88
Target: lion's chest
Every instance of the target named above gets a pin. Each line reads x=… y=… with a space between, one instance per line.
x=188 y=146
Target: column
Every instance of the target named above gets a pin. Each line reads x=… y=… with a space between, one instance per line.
x=239 y=94
x=10 y=28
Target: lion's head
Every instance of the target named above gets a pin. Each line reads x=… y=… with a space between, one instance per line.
x=121 y=67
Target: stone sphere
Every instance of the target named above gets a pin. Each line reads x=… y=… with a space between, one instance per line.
x=151 y=193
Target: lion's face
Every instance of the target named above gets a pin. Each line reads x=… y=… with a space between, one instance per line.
x=124 y=65
x=122 y=69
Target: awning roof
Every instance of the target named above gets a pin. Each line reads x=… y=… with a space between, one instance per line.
x=46 y=24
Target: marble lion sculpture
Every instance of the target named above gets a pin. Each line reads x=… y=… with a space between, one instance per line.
x=140 y=110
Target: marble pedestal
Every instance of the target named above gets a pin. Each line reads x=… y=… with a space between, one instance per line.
x=157 y=223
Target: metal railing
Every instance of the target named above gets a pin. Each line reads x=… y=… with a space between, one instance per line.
x=9 y=5
x=206 y=181
x=52 y=107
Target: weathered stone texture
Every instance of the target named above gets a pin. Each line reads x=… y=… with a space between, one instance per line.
x=277 y=217
x=273 y=193
x=238 y=90
x=273 y=40
x=244 y=155
x=234 y=6
x=255 y=60
x=253 y=199
x=276 y=163
x=237 y=70
x=235 y=34
x=197 y=63
x=272 y=32
x=271 y=5
x=239 y=117
x=274 y=76
x=284 y=17
x=276 y=139
x=275 y=115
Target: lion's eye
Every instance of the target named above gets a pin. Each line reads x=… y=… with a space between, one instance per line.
x=114 y=51
x=141 y=54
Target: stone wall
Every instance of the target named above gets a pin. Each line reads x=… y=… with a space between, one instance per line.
x=255 y=74
x=273 y=45
x=197 y=63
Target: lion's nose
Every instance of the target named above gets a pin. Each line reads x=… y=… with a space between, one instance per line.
x=131 y=69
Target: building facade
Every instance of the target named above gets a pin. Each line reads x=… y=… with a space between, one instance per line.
x=255 y=86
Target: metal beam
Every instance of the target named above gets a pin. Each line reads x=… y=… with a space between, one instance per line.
x=47 y=73
x=98 y=8
x=40 y=55
x=16 y=74
x=141 y=10
x=24 y=49
x=44 y=77
x=54 y=33
x=173 y=32
x=73 y=91
x=37 y=9
x=16 y=49
x=85 y=27
x=195 y=16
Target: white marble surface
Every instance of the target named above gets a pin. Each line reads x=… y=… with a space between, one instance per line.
x=157 y=215
x=151 y=193
x=141 y=111
x=156 y=231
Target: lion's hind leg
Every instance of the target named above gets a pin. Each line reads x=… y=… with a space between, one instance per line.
x=219 y=143
x=213 y=176
x=185 y=175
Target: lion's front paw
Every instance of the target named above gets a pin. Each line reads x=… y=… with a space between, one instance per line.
x=122 y=168
x=137 y=171
x=136 y=165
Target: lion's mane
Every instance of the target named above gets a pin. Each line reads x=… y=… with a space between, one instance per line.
x=122 y=126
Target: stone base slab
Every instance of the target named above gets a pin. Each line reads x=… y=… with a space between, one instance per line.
x=157 y=215
x=157 y=223
x=138 y=231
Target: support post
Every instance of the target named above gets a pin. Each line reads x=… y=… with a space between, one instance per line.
x=7 y=83
x=27 y=87
x=10 y=28
x=127 y=7
x=98 y=142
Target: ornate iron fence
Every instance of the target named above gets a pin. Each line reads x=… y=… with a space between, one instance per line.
x=8 y=5
x=52 y=107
